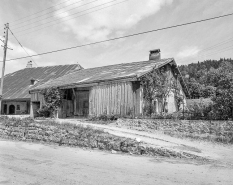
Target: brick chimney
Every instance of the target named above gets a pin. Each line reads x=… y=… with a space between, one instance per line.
x=29 y=64
x=155 y=54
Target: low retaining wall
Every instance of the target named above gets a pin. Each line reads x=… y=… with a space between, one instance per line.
x=76 y=135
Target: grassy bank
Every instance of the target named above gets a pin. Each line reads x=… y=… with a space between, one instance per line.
x=214 y=131
x=80 y=136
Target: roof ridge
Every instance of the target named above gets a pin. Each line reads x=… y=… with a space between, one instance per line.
x=38 y=67
x=52 y=66
x=103 y=67
x=90 y=73
x=126 y=63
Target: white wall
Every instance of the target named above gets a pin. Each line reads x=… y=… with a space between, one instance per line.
x=22 y=105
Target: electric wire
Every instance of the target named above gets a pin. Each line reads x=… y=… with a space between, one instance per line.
x=221 y=50
x=59 y=21
x=72 y=18
x=218 y=44
x=41 y=11
x=19 y=27
x=213 y=52
x=126 y=36
x=22 y=46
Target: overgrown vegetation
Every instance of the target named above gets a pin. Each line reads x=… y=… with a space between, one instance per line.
x=212 y=79
x=103 y=117
x=157 y=86
x=80 y=136
x=53 y=100
x=215 y=131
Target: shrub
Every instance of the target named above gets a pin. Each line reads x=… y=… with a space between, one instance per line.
x=53 y=99
x=103 y=117
x=44 y=111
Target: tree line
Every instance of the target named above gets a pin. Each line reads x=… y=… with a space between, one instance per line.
x=212 y=79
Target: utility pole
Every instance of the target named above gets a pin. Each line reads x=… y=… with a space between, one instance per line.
x=3 y=63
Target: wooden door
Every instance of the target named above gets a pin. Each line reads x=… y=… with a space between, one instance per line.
x=82 y=103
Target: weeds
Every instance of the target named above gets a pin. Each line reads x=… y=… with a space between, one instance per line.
x=215 y=131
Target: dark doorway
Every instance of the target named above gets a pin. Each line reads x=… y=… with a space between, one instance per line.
x=82 y=103
x=5 y=109
x=12 y=109
x=35 y=107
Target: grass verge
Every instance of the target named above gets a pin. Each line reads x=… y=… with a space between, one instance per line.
x=80 y=136
x=214 y=131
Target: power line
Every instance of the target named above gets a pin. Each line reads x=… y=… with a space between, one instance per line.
x=219 y=50
x=72 y=15
x=52 y=12
x=135 y=34
x=22 y=47
x=41 y=10
x=210 y=54
x=218 y=44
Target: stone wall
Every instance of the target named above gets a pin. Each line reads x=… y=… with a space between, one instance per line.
x=80 y=136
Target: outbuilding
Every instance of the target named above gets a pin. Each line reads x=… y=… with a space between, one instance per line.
x=111 y=90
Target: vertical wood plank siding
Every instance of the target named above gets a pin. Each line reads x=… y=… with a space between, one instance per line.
x=117 y=98
x=38 y=97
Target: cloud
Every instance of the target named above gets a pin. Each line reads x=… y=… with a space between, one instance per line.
x=188 y=52
x=16 y=53
x=112 y=21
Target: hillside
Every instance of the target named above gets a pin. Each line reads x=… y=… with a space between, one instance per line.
x=211 y=79
x=194 y=70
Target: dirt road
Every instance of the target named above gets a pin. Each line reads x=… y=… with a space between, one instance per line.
x=37 y=164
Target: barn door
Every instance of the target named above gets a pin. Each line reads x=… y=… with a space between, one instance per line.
x=82 y=103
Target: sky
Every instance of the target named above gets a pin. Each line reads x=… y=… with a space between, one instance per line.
x=47 y=25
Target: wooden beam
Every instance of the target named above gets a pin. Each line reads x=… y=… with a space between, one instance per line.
x=75 y=100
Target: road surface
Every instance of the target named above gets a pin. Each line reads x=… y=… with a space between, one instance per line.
x=37 y=164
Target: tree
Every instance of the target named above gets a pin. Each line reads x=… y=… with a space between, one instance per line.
x=53 y=99
x=223 y=99
x=194 y=88
x=207 y=91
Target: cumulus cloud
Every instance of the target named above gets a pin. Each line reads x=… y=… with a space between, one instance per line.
x=188 y=52
x=111 y=21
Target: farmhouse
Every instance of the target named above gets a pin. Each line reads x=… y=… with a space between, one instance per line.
x=16 y=99
x=111 y=90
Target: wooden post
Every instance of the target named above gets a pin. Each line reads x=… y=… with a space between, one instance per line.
x=75 y=99
x=31 y=110
x=3 y=64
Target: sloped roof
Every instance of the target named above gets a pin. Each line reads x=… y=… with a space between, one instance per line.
x=16 y=85
x=105 y=73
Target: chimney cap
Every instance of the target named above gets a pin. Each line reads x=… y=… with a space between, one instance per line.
x=29 y=64
x=155 y=54
x=155 y=51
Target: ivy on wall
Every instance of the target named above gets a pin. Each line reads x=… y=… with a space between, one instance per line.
x=157 y=85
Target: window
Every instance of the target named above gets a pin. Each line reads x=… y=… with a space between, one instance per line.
x=18 y=107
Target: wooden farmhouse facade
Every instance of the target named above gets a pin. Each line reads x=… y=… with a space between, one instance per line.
x=109 y=90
